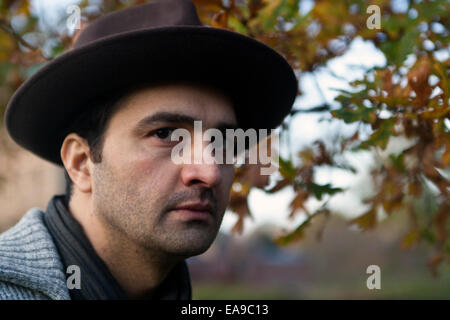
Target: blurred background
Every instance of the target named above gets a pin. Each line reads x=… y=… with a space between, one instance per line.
x=364 y=175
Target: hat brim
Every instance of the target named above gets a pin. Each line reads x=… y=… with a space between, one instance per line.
x=259 y=80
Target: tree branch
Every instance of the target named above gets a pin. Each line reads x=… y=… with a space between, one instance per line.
x=6 y=26
x=322 y=108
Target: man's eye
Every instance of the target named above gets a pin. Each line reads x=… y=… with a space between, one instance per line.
x=163 y=133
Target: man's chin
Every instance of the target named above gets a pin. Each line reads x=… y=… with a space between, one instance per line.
x=189 y=247
x=189 y=252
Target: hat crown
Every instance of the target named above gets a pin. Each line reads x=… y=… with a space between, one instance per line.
x=155 y=14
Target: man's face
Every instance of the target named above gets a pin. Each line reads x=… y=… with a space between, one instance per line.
x=139 y=191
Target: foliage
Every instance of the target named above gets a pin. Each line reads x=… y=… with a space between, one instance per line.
x=407 y=97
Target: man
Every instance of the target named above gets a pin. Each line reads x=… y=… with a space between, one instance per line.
x=106 y=110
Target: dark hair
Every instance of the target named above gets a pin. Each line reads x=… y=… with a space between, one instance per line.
x=91 y=125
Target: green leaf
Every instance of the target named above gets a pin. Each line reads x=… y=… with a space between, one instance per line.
x=397 y=51
x=5 y=68
x=297 y=234
x=397 y=161
x=428 y=236
x=380 y=137
x=320 y=189
x=236 y=25
x=361 y=113
x=287 y=170
x=431 y=9
x=57 y=50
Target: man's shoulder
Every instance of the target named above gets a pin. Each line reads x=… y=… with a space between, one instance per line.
x=30 y=265
x=10 y=291
x=32 y=221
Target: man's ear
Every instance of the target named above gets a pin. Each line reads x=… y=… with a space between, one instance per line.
x=75 y=156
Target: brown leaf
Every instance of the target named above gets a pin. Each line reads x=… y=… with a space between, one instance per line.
x=206 y=9
x=415 y=188
x=411 y=238
x=238 y=226
x=434 y=262
x=252 y=175
x=386 y=79
x=446 y=156
x=27 y=58
x=220 y=20
x=254 y=6
x=279 y=185
x=367 y=220
x=238 y=204
x=418 y=80
x=208 y=4
x=298 y=203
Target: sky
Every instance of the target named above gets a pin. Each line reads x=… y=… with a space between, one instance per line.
x=305 y=128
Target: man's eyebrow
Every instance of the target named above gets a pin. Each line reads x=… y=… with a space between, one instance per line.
x=176 y=118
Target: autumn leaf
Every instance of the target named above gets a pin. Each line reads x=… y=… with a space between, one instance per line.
x=411 y=238
x=296 y=235
x=355 y=113
x=299 y=232
x=367 y=220
x=397 y=51
x=434 y=262
x=319 y=190
x=287 y=169
x=446 y=155
x=380 y=136
x=298 y=203
x=220 y=20
x=238 y=204
x=398 y=162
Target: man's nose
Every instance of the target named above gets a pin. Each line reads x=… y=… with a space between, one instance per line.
x=206 y=171
x=207 y=174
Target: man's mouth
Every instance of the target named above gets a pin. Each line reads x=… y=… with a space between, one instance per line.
x=195 y=211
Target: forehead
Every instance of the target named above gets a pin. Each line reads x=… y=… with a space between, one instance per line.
x=197 y=101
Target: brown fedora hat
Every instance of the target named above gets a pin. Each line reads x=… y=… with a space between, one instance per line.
x=159 y=41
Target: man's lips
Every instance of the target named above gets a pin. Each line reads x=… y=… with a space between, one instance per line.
x=195 y=210
x=196 y=206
